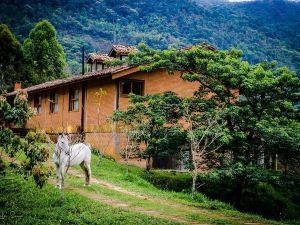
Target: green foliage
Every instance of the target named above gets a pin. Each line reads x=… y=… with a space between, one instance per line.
x=264 y=199
x=43 y=52
x=149 y=118
x=3 y=167
x=38 y=136
x=11 y=58
x=252 y=26
x=6 y=136
x=171 y=181
x=36 y=153
x=256 y=101
x=254 y=190
x=18 y=113
x=262 y=192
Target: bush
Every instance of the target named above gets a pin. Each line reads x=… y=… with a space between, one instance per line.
x=264 y=199
x=38 y=136
x=6 y=136
x=269 y=194
x=169 y=180
x=2 y=167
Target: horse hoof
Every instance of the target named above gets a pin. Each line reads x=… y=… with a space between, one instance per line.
x=87 y=185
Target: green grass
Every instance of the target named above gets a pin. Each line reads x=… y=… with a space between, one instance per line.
x=35 y=206
x=22 y=203
x=115 y=173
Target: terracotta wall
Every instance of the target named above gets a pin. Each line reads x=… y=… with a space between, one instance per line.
x=99 y=132
x=160 y=81
x=100 y=103
x=63 y=120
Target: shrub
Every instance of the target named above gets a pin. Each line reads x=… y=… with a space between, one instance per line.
x=264 y=199
x=269 y=194
x=2 y=167
x=6 y=136
x=38 y=136
x=31 y=136
x=40 y=174
x=169 y=180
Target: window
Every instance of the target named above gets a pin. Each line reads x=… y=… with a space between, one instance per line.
x=131 y=86
x=53 y=102
x=73 y=99
x=37 y=102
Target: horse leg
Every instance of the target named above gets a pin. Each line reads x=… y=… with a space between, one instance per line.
x=89 y=173
x=61 y=172
x=84 y=168
x=57 y=175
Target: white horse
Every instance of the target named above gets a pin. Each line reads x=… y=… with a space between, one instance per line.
x=66 y=155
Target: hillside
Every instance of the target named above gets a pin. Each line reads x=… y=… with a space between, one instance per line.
x=264 y=30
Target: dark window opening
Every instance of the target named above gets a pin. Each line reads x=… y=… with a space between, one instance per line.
x=53 y=102
x=131 y=86
x=37 y=102
x=73 y=99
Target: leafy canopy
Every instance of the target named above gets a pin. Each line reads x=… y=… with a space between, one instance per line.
x=257 y=101
x=44 y=53
x=10 y=58
x=154 y=118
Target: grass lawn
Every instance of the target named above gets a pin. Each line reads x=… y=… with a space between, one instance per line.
x=121 y=198
x=113 y=172
x=22 y=203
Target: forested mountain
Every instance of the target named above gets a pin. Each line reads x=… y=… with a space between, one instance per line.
x=264 y=30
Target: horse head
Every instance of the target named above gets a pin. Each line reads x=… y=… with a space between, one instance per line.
x=62 y=144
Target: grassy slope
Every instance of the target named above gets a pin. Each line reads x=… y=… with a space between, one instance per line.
x=116 y=173
x=34 y=205
x=23 y=203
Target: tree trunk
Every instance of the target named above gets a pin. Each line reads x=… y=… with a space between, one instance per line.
x=148 y=166
x=194 y=178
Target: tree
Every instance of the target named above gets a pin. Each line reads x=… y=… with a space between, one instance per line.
x=36 y=153
x=10 y=58
x=206 y=133
x=43 y=52
x=18 y=113
x=152 y=120
x=257 y=101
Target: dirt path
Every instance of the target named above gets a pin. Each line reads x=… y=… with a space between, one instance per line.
x=168 y=209
x=183 y=208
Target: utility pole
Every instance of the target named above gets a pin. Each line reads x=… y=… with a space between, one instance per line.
x=82 y=60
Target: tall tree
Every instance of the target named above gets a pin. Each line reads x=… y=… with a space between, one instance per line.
x=257 y=101
x=44 y=53
x=10 y=58
x=153 y=120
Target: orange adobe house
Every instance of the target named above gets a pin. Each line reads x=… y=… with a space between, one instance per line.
x=82 y=103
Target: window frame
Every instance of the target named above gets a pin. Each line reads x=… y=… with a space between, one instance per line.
x=37 y=105
x=121 y=94
x=53 y=99
x=73 y=99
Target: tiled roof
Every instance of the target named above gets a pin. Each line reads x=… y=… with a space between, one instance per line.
x=99 y=57
x=123 y=49
x=73 y=79
x=120 y=49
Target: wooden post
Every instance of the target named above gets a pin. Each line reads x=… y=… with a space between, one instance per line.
x=82 y=62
